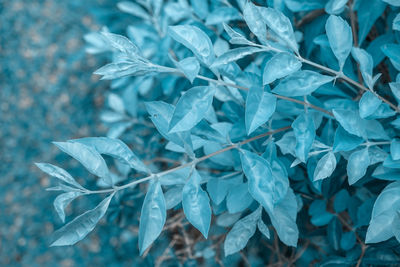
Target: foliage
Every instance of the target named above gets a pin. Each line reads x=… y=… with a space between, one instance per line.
x=280 y=116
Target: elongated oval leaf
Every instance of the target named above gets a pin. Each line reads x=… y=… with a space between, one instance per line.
x=194 y=39
x=340 y=38
x=115 y=148
x=196 y=204
x=88 y=157
x=58 y=173
x=78 y=228
x=357 y=165
x=153 y=216
x=241 y=232
x=190 y=67
x=368 y=104
x=62 y=201
x=263 y=186
x=301 y=83
x=255 y=21
x=191 y=108
x=235 y=54
x=304 y=130
x=366 y=63
x=279 y=66
x=325 y=166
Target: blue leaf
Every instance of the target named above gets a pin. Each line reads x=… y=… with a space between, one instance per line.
x=62 y=201
x=235 y=54
x=357 y=165
x=395 y=149
x=281 y=26
x=368 y=12
x=236 y=38
x=194 y=39
x=238 y=198
x=263 y=186
x=348 y=240
x=301 y=83
x=122 y=44
x=340 y=38
x=241 y=232
x=325 y=166
x=78 y=228
x=369 y=103
x=173 y=197
x=351 y=121
x=218 y=188
x=58 y=173
x=88 y=157
x=114 y=148
x=396 y=23
x=260 y=106
x=304 y=130
x=395 y=88
x=133 y=9
x=341 y=201
x=344 y=141
x=279 y=66
x=335 y=7
x=255 y=22
x=190 y=67
x=153 y=215
x=392 y=2
x=301 y=5
x=366 y=65
x=222 y=14
x=263 y=228
x=196 y=204
x=383 y=213
x=191 y=108
x=392 y=51
x=283 y=218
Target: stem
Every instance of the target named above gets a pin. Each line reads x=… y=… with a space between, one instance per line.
x=191 y=163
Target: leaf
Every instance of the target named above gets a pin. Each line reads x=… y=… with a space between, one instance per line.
x=383 y=214
x=238 y=198
x=153 y=215
x=368 y=12
x=260 y=106
x=263 y=228
x=194 y=39
x=263 y=186
x=173 y=197
x=357 y=165
x=325 y=166
x=301 y=83
x=114 y=148
x=279 y=66
x=79 y=227
x=300 y=5
x=191 y=108
x=236 y=38
x=190 y=67
x=281 y=26
x=255 y=22
x=62 y=201
x=283 y=218
x=351 y=121
x=341 y=201
x=396 y=23
x=304 y=130
x=392 y=2
x=241 y=232
x=348 y=240
x=335 y=7
x=127 y=68
x=395 y=149
x=340 y=38
x=368 y=104
x=59 y=173
x=222 y=14
x=88 y=157
x=344 y=141
x=196 y=204
x=392 y=51
x=366 y=65
x=235 y=54
x=133 y=9
x=122 y=44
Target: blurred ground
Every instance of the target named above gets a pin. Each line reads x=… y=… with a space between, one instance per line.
x=47 y=93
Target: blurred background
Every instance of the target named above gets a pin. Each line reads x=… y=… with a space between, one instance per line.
x=48 y=93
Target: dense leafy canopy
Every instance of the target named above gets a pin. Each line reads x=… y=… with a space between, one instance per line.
x=269 y=128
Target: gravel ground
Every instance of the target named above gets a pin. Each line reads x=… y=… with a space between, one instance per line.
x=47 y=93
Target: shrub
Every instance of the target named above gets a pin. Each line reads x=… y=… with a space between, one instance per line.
x=259 y=133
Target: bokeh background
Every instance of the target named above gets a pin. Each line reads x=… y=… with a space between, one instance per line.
x=48 y=93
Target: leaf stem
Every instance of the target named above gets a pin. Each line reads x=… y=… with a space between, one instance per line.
x=191 y=163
